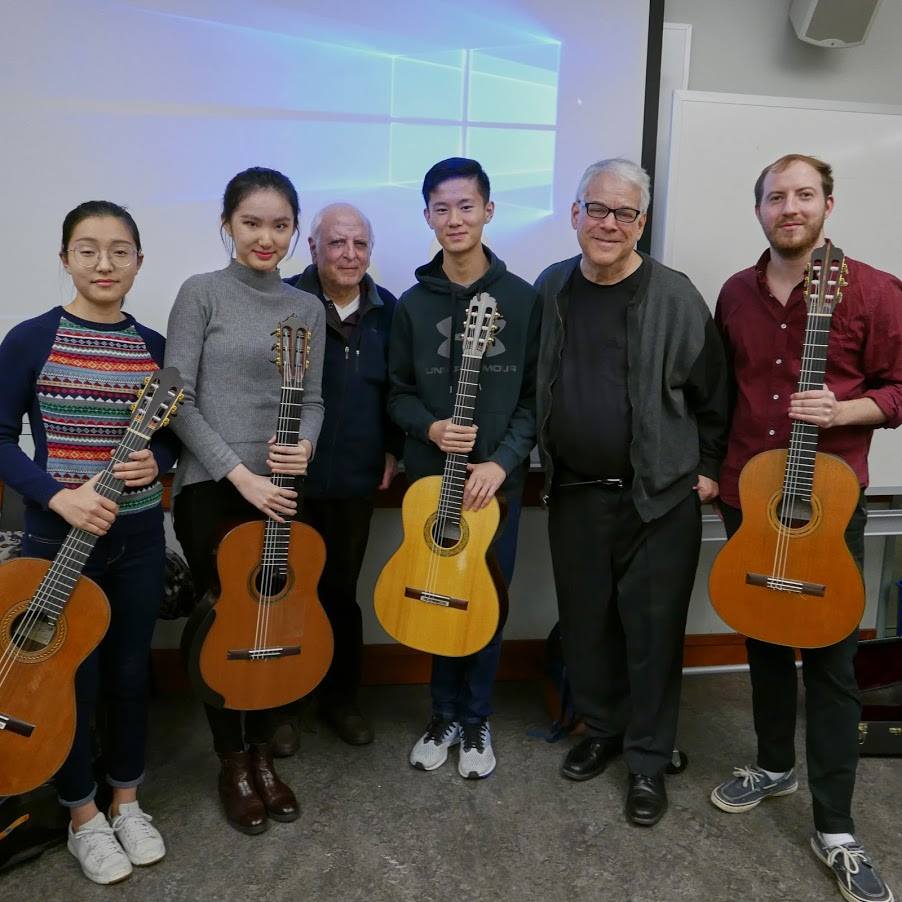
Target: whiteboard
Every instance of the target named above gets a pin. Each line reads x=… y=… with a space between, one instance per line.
x=719 y=144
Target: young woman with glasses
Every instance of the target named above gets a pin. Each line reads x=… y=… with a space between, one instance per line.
x=75 y=371
x=220 y=338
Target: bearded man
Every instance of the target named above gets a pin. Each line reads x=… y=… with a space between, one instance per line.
x=762 y=316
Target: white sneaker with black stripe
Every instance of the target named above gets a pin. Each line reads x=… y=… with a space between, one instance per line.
x=430 y=751
x=477 y=759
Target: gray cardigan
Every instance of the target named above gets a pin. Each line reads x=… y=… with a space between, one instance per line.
x=220 y=338
x=677 y=383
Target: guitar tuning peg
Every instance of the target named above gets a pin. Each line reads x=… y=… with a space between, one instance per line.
x=165 y=421
x=133 y=406
x=147 y=380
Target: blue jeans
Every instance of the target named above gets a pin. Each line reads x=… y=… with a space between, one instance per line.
x=129 y=565
x=462 y=687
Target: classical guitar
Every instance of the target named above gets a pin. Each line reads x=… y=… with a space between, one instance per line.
x=438 y=592
x=266 y=640
x=787 y=576
x=52 y=618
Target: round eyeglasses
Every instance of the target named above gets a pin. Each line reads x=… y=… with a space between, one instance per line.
x=122 y=256
x=597 y=210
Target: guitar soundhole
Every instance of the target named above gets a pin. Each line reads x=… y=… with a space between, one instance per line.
x=270 y=583
x=446 y=534
x=32 y=632
x=795 y=513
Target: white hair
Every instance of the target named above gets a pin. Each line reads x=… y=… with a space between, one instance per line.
x=317 y=222
x=623 y=169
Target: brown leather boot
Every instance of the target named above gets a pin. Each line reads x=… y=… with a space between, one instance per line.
x=280 y=802
x=244 y=809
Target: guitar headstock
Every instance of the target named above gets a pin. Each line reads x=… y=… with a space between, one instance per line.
x=480 y=328
x=825 y=279
x=291 y=347
x=158 y=401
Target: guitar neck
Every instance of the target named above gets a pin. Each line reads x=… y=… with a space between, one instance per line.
x=454 y=476
x=799 y=476
x=276 y=536
x=59 y=582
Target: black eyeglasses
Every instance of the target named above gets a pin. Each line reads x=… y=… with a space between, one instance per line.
x=600 y=211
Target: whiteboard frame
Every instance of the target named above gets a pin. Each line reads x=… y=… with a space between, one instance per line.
x=681 y=98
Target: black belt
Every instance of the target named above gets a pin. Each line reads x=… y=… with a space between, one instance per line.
x=610 y=483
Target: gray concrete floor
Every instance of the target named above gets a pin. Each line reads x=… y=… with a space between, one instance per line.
x=372 y=828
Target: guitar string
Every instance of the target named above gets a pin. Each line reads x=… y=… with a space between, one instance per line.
x=817 y=351
x=469 y=367
x=55 y=575
x=819 y=306
x=267 y=576
x=787 y=503
x=272 y=551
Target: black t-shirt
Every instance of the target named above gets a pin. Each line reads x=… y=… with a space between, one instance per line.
x=591 y=416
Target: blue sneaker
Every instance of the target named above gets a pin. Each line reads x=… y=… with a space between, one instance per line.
x=856 y=877
x=749 y=787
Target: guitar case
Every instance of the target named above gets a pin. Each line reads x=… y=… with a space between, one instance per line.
x=878 y=670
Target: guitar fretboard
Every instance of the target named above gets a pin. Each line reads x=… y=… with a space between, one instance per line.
x=454 y=477
x=59 y=582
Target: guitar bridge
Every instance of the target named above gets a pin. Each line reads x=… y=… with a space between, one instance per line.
x=262 y=654
x=9 y=724
x=444 y=601
x=781 y=584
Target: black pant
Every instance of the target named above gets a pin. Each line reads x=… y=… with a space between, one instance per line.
x=129 y=565
x=832 y=705
x=344 y=524
x=203 y=513
x=623 y=589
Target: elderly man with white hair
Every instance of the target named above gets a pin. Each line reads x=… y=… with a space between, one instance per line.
x=632 y=412
x=357 y=450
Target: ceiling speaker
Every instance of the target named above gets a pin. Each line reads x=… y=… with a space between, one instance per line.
x=833 y=23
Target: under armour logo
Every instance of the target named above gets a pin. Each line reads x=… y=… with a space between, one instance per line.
x=443 y=327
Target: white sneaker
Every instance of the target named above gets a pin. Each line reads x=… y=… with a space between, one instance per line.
x=142 y=842
x=477 y=760
x=431 y=749
x=99 y=854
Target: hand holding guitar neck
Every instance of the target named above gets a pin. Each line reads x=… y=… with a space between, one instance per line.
x=84 y=509
x=273 y=500
x=289 y=460
x=451 y=437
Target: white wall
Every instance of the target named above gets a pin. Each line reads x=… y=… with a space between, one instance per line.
x=749 y=47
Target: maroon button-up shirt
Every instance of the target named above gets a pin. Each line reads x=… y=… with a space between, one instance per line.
x=764 y=343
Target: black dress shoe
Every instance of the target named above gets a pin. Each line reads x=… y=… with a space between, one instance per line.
x=286 y=739
x=347 y=721
x=646 y=799
x=590 y=757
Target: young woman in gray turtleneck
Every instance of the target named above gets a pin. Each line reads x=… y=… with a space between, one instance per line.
x=220 y=339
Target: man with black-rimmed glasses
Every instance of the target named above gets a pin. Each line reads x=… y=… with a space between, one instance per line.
x=632 y=426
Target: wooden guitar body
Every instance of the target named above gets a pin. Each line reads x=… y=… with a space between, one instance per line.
x=297 y=636
x=819 y=596
x=37 y=700
x=442 y=600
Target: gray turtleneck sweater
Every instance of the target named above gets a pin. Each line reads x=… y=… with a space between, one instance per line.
x=220 y=338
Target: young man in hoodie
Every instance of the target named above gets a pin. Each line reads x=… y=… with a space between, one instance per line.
x=424 y=361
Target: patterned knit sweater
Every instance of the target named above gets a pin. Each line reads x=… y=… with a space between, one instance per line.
x=75 y=380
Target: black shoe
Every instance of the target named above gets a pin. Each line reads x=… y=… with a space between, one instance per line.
x=347 y=721
x=589 y=757
x=646 y=799
x=286 y=739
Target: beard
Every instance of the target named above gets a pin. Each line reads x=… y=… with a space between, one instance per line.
x=798 y=244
